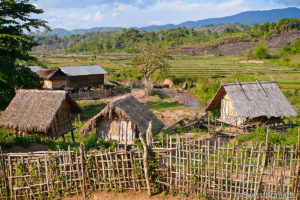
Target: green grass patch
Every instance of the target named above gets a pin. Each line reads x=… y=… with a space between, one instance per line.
x=92 y=108
x=8 y=140
x=290 y=138
x=161 y=105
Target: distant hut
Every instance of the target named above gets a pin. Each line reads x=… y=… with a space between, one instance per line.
x=251 y=103
x=45 y=112
x=84 y=76
x=123 y=120
x=53 y=78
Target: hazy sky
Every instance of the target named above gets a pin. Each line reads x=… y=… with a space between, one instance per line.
x=73 y=14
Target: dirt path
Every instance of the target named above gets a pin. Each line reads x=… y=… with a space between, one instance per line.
x=131 y=196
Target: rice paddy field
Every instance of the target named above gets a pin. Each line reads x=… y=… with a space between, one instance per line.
x=212 y=67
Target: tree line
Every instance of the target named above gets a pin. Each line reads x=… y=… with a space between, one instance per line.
x=128 y=40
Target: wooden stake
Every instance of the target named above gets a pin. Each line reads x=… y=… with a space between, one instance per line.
x=82 y=170
x=298 y=166
x=145 y=161
x=73 y=137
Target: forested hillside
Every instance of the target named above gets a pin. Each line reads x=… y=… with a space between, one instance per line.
x=207 y=38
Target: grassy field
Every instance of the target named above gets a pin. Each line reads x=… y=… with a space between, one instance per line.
x=217 y=68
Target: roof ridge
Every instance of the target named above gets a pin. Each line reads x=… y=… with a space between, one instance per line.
x=246 y=83
x=40 y=91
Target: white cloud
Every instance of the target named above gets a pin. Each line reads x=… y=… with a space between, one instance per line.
x=157 y=12
x=98 y=16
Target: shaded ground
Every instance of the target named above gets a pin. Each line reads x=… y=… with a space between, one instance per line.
x=30 y=148
x=131 y=196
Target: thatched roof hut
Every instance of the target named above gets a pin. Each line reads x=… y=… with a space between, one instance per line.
x=40 y=111
x=51 y=74
x=53 y=78
x=251 y=103
x=123 y=120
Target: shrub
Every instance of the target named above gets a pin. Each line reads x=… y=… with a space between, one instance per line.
x=261 y=52
x=95 y=142
x=275 y=138
x=248 y=54
x=286 y=48
x=296 y=48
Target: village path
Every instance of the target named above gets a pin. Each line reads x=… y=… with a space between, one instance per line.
x=132 y=196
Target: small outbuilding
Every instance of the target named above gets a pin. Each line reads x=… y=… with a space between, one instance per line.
x=46 y=112
x=251 y=103
x=53 y=78
x=123 y=120
x=84 y=76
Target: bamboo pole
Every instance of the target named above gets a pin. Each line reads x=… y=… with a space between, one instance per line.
x=143 y=140
x=263 y=164
x=82 y=170
x=298 y=166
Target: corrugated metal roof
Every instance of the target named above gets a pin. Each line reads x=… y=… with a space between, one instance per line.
x=255 y=99
x=34 y=68
x=83 y=70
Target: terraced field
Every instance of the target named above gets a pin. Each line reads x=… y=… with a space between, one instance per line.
x=215 y=67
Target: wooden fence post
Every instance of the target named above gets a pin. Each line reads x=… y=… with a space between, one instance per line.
x=263 y=164
x=4 y=173
x=298 y=166
x=143 y=140
x=82 y=170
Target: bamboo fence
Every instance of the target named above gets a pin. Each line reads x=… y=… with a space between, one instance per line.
x=45 y=175
x=184 y=165
x=230 y=172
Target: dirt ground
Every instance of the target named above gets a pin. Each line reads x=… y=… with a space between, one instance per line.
x=168 y=117
x=131 y=196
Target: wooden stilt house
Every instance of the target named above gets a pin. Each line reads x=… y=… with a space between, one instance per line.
x=251 y=103
x=47 y=112
x=84 y=76
x=123 y=120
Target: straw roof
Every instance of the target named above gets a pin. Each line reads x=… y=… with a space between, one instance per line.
x=127 y=108
x=254 y=99
x=50 y=74
x=34 y=110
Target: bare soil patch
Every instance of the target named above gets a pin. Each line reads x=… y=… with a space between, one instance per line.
x=132 y=196
x=252 y=61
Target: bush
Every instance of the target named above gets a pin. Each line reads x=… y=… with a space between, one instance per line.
x=95 y=142
x=275 y=138
x=286 y=48
x=248 y=54
x=8 y=140
x=296 y=48
x=261 y=52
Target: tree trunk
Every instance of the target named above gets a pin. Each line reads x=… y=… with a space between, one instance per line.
x=148 y=87
x=146 y=156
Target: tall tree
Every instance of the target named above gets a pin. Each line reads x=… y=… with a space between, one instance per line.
x=15 y=45
x=151 y=59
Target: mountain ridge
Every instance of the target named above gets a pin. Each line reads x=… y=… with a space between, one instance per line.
x=246 y=18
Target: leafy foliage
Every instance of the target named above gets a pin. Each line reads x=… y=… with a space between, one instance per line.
x=275 y=138
x=261 y=52
x=153 y=58
x=15 y=47
x=128 y=40
x=95 y=142
x=8 y=140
